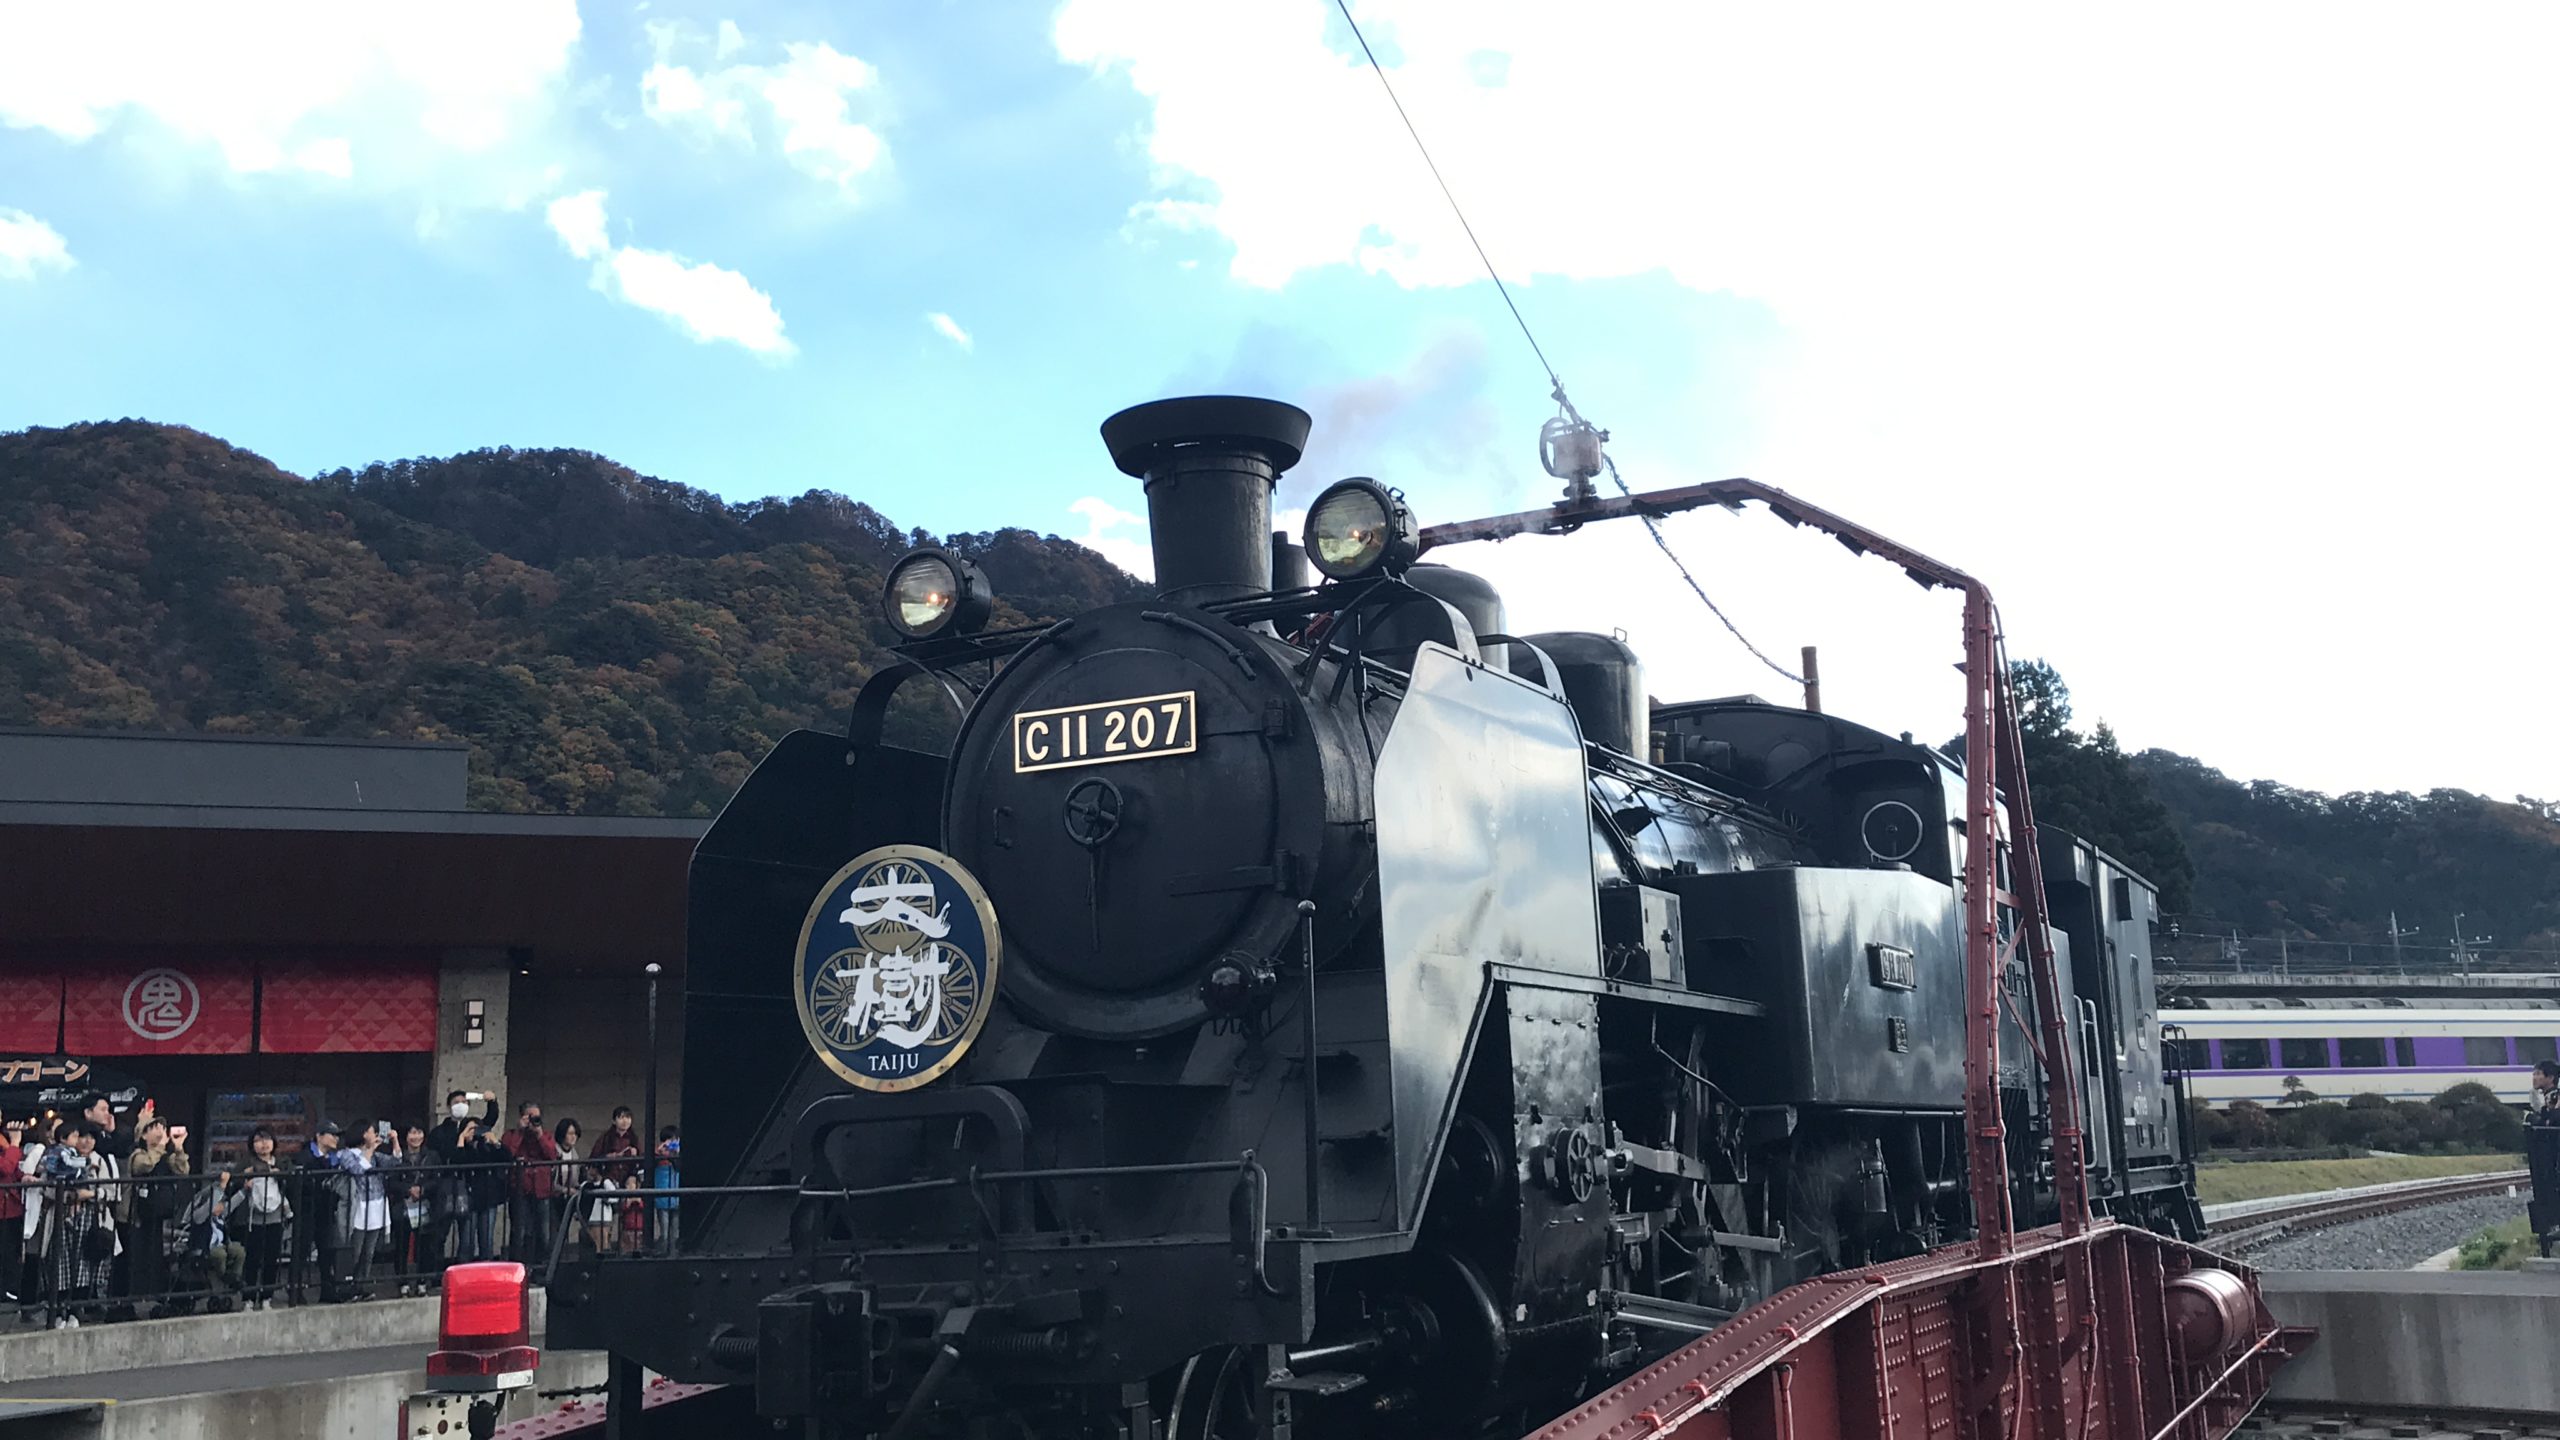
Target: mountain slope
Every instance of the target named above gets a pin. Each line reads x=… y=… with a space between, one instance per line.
x=2271 y=859
x=606 y=642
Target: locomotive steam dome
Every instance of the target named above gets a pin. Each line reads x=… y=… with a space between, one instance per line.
x=1146 y=791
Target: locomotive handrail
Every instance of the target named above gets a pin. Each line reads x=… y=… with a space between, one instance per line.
x=1993 y=751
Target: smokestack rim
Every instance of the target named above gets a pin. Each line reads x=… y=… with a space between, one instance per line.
x=1141 y=436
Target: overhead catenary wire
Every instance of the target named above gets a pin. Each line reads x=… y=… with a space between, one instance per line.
x=1652 y=525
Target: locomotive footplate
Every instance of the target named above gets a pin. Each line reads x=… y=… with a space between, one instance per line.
x=841 y=1331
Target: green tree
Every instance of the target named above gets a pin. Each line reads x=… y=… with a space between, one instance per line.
x=2089 y=786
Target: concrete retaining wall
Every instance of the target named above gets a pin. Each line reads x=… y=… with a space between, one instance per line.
x=362 y=1407
x=2421 y=1340
x=190 y=1340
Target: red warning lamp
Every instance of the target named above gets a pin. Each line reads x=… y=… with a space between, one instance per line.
x=485 y=1340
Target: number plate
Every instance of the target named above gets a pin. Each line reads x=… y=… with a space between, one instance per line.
x=1106 y=731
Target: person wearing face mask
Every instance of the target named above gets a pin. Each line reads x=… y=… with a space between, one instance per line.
x=446 y=1139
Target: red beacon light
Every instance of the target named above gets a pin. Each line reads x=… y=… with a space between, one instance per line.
x=485 y=1338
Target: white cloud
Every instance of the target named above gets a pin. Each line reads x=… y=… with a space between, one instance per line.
x=579 y=221
x=330 y=155
x=2219 y=343
x=804 y=104
x=455 y=99
x=28 y=246
x=705 y=301
x=1104 y=523
x=949 y=329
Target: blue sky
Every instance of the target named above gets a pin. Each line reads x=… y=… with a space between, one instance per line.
x=2217 y=340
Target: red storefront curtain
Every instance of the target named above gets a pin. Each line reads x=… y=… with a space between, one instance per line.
x=374 y=1006
x=30 y=1009
x=184 y=1006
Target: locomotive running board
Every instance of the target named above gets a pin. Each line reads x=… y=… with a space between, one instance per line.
x=2066 y=1337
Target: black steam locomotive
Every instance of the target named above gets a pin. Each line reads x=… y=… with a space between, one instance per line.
x=1295 y=1005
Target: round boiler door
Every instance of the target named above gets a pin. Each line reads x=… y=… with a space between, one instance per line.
x=1121 y=814
x=1891 y=831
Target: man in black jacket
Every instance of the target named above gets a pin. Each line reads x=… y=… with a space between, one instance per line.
x=2542 y=1153
x=316 y=1208
x=111 y=1140
x=447 y=1136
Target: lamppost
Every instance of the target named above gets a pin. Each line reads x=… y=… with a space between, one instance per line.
x=2396 y=934
x=2462 y=945
x=649 y=1087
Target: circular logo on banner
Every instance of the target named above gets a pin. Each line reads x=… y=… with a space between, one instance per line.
x=897 y=963
x=161 y=1004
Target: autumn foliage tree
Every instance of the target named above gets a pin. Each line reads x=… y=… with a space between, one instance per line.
x=607 y=643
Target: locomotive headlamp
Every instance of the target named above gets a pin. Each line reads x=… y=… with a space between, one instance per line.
x=1359 y=527
x=933 y=592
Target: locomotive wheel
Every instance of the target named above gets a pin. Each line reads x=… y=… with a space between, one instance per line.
x=1218 y=1397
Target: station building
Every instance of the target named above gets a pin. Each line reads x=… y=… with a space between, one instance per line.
x=260 y=930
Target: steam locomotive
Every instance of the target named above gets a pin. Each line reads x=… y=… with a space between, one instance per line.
x=1294 y=1004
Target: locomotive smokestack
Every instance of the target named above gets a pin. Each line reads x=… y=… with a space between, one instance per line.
x=1210 y=463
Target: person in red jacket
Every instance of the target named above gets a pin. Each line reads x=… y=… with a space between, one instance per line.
x=13 y=1208
x=619 y=1148
x=530 y=1192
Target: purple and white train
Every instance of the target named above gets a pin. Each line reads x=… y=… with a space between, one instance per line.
x=2245 y=1049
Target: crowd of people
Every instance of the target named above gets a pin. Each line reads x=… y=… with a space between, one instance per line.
x=112 y=1217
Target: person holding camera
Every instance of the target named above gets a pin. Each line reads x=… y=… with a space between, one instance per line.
x=531 y=1191
x=159 y=1155
x=446 y=1139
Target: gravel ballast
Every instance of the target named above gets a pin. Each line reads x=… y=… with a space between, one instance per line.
x=2389 y=1242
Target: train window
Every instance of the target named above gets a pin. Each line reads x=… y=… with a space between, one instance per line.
x=2484 y=1050
x=2244 y=1055
x=2179 y=1056
x=2404 y=1052
x=2300 y=1054
x=2361 y=1053
x=2532 y=1048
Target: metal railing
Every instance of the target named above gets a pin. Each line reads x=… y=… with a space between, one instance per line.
x=128 y=1246
x=2200 y=952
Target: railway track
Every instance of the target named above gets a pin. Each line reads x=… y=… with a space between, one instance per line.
x=2291 y=1421
x=2243 y=1234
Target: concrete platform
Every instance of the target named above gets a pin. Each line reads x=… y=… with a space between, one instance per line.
x=187 y=1340
x=342 y=1395
x=2435 y=1341
x=321 y=1371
